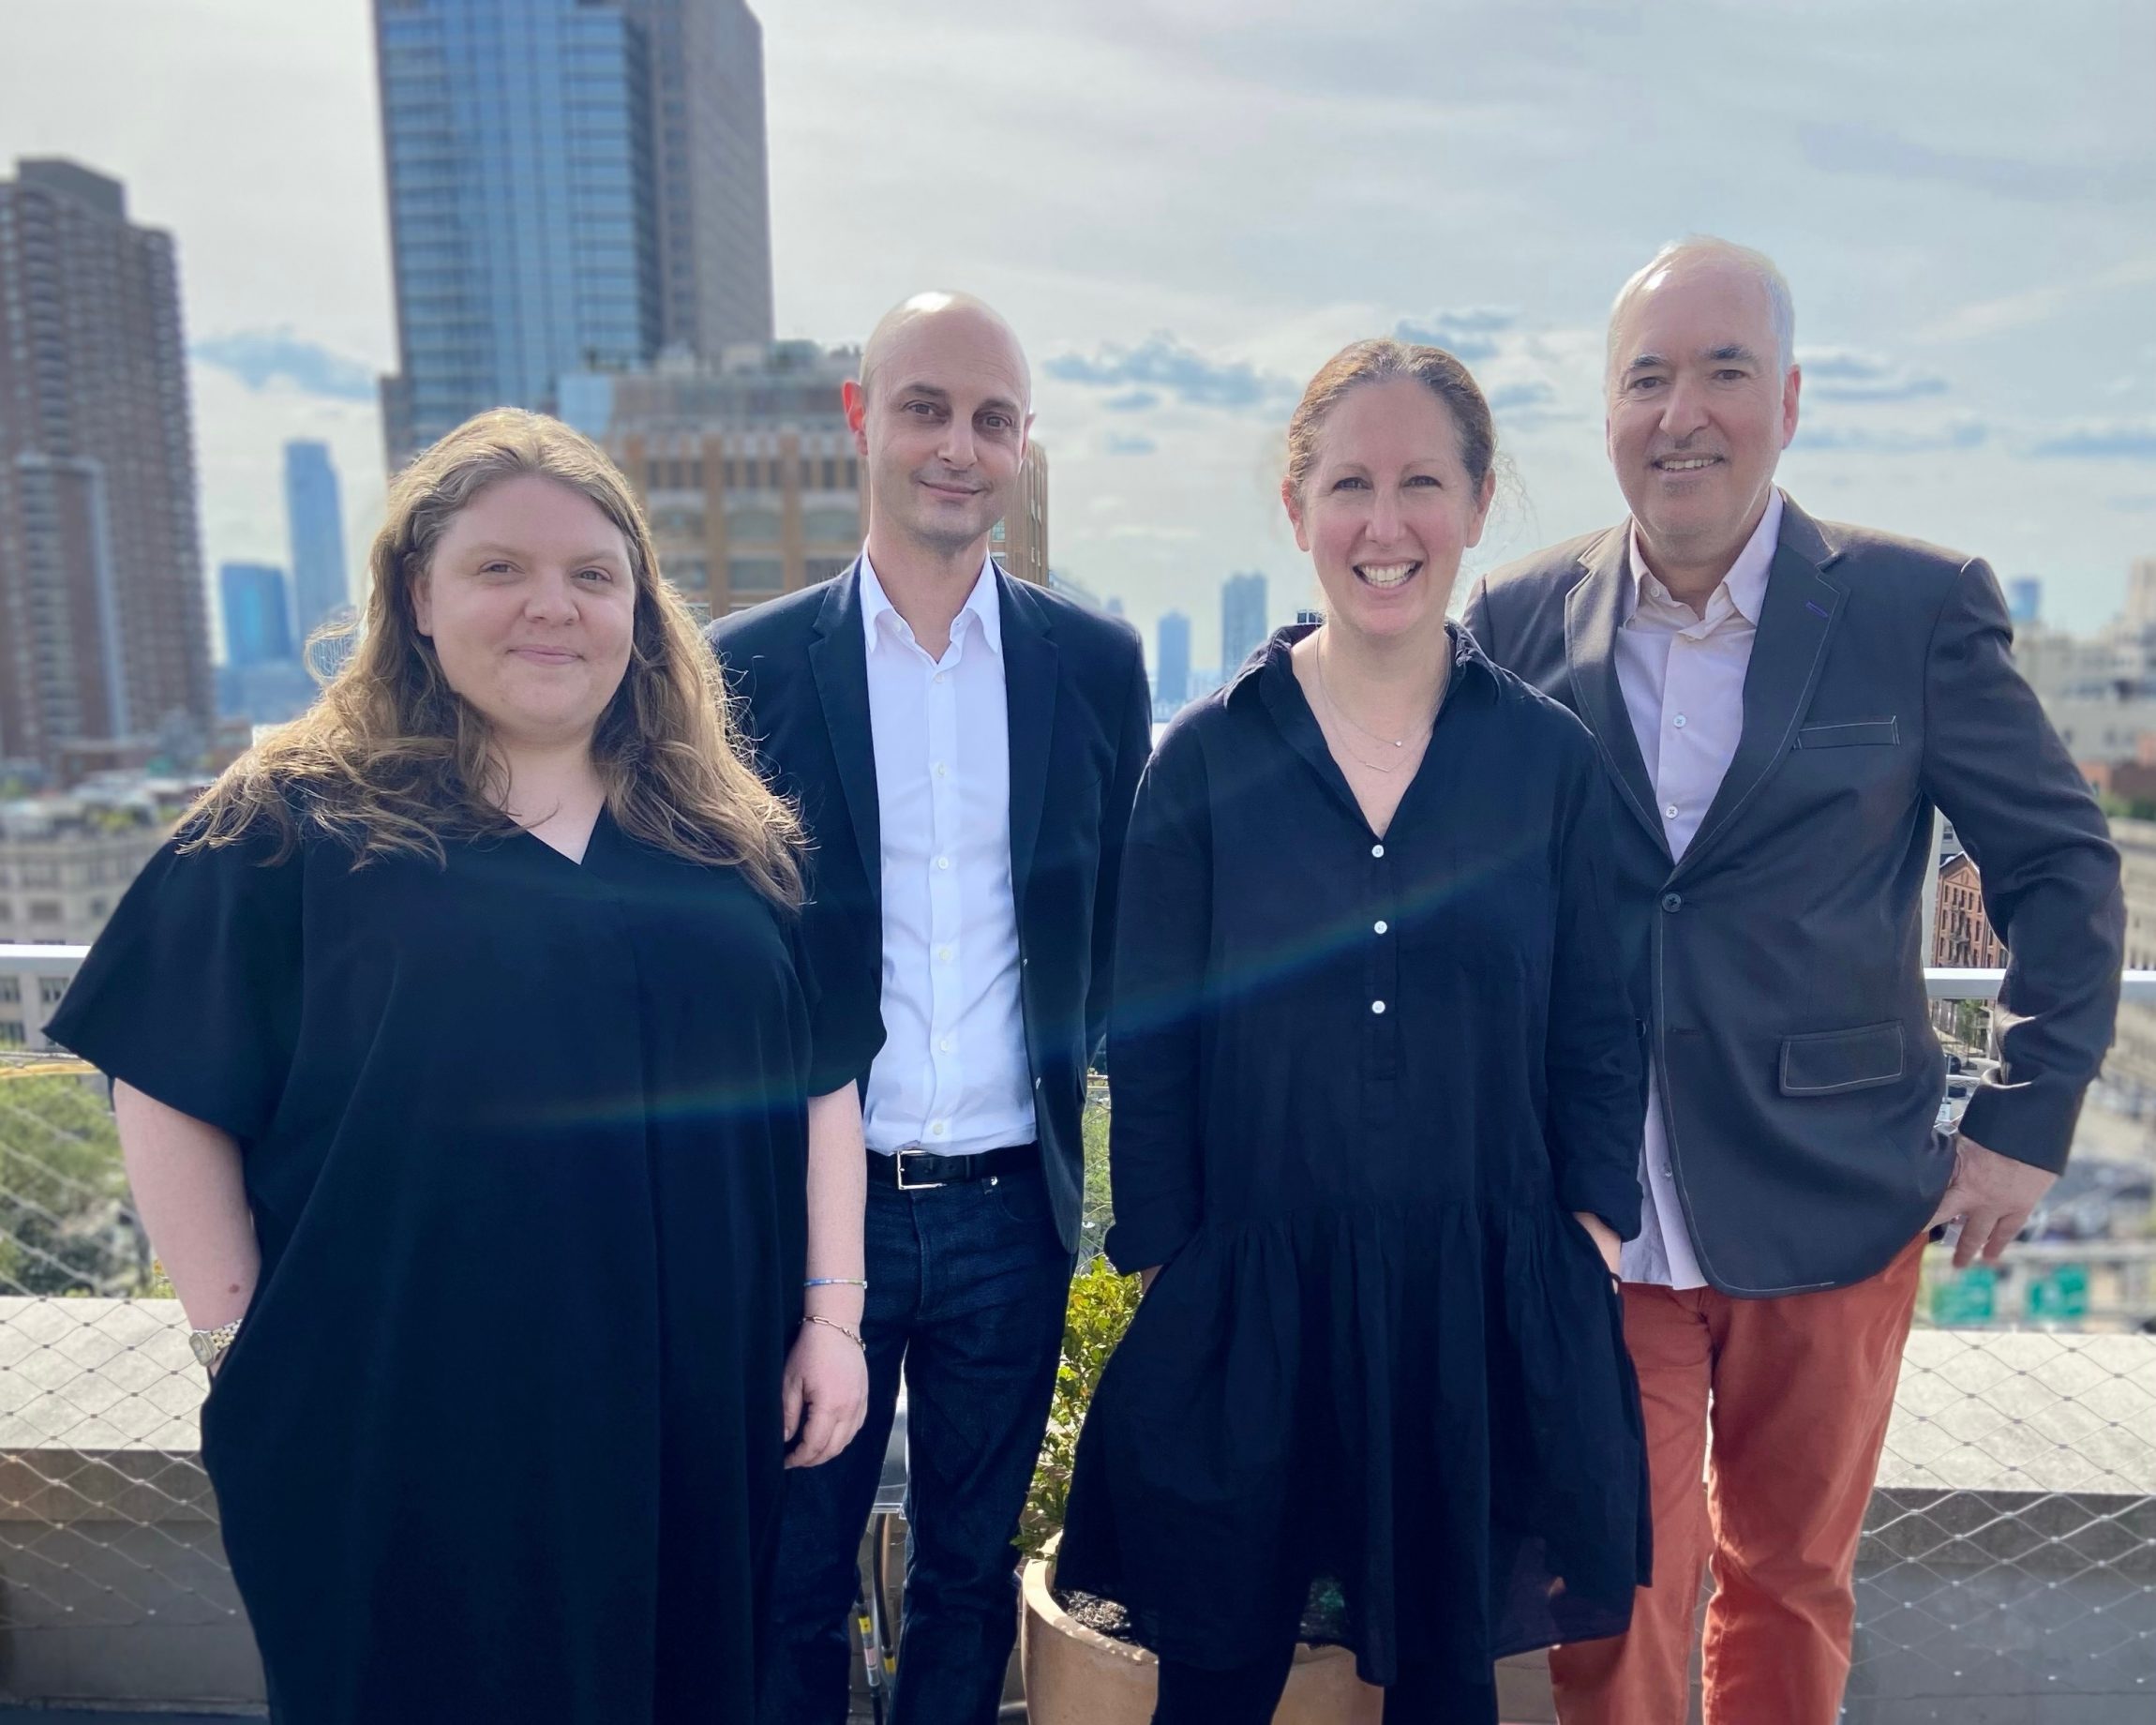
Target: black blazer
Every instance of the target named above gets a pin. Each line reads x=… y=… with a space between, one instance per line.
x=1081 y=727
x=1778 y=962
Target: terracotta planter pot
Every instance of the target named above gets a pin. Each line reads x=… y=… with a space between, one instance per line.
x=1078 y=1677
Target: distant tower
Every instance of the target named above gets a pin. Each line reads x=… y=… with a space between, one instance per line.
x=2141 y=593
x=314 y=520
x=104 y=631
x=522 y=245
x=1242 y=621
x=573 y=185
x=2023 y=598
x=258 y=625
x=712 y=183
x=1172 y=668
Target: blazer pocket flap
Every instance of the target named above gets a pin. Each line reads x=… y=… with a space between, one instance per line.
x=1850 y=733
x=1830 y=1061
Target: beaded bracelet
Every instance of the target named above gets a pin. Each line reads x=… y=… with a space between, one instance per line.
x=836 y=1282
x=835 y=1324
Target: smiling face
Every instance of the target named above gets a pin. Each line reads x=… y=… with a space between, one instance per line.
x=530 y=600
x=940 y=418
x=1387 y=507
x=1700 y=409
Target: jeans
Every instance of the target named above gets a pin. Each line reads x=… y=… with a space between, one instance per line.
x=967 y=1287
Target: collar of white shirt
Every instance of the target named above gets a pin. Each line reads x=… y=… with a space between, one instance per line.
x=983 y=602
x=1745 y=584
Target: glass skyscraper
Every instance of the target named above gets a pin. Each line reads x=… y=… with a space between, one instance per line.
x=258 y=626
x=314 y=520
x=572 y=185
x=516 y=138
x=1242 y=621
x=1171 y=664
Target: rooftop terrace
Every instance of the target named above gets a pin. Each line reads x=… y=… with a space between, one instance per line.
x=2007 y=1577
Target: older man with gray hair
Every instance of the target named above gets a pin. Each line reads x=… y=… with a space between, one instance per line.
x=1781 y=703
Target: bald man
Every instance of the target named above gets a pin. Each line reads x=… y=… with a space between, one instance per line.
x=964 y=748
x=1781 y=704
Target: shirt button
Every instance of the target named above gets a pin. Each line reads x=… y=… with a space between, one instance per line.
x=943 y=676
x=1379 y=927
x=1377 y=850
x=1377 y=1005
x=1678 y=720
x=943 y=772
x=1672 y=901
x=943 y=956
x=938 y=1128
x=1667 y=1172
x=1668 y=809
x=947 y=1043
x=944 y=861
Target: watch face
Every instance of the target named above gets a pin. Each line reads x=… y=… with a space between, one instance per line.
x=205 y=1349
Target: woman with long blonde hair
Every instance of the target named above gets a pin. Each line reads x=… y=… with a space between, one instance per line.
x=470 y=1091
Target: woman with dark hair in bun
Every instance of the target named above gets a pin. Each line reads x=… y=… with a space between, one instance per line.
x=1378 y=1101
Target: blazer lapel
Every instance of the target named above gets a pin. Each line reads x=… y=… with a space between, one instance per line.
x=1594 y=611
x=1796 y=621
x=838 y=659
x=1029 y=680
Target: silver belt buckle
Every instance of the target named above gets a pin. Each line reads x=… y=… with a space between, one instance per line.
x=906 y=1185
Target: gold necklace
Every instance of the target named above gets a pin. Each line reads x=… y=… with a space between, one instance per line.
x=1399 y=745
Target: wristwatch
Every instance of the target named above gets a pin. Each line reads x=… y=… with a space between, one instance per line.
x=210 y=1344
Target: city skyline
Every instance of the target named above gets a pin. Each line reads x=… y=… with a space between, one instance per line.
x=1979 y=376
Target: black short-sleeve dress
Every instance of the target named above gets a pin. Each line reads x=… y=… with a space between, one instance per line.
x=1359 y=1083
x=525 y=1141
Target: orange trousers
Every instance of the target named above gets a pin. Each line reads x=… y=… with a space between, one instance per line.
x=1764 y=1422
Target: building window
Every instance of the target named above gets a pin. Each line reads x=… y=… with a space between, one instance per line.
x=821 y=526
x=10 y=991
x=752 y=526
x=756 y=574
x=49 y=989
x=11 y=1033
x=46 y=910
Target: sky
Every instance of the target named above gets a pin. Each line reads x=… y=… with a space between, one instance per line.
x=1185 y=206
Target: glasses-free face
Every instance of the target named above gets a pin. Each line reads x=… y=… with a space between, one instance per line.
x=1699 y=409
x=1388 y=508
x=941 y=429
x=530 y=600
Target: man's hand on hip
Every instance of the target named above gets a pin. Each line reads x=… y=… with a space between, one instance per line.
x=1993 y=1194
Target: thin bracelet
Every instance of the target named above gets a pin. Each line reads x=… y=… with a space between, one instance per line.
x=835 y=1324
x=836 y=1282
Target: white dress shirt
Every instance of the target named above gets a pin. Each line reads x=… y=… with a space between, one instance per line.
x=1683 y=674
x=952 y=1075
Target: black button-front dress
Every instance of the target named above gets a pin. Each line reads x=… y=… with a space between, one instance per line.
x=1358 y=1086
x=526 y=1142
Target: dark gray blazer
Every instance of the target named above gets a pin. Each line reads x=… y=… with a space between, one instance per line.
x=1777 y=965
x=1081 y=728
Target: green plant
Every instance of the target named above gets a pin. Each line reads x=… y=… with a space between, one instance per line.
x=1101 y=1308
x=65 y=1227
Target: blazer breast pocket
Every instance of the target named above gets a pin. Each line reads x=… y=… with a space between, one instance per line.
x=1850 y=734
x=1833 y=1062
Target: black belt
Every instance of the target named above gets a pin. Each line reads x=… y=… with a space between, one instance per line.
x=912 y=1170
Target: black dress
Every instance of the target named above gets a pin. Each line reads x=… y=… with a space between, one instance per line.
x=1358 y=1086
x=525 y=1142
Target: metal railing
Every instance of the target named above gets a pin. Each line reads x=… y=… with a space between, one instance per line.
x=2009 y=1550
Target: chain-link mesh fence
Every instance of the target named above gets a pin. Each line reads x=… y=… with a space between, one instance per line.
x=2010 y=1554
x=107 y=1522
